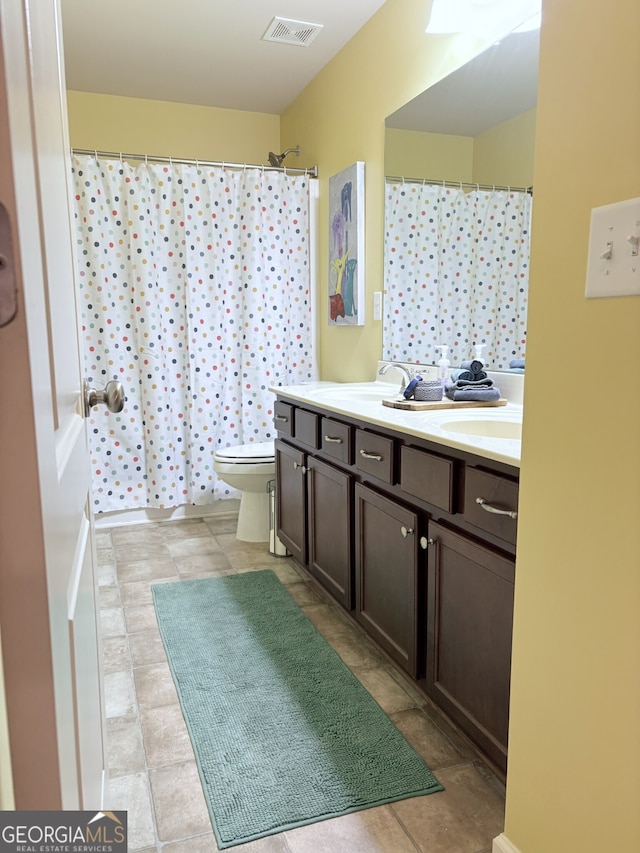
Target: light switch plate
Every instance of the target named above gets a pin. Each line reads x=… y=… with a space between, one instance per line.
x=613 y=266
x=377 y=305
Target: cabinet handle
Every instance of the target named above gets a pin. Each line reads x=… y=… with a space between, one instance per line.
x=282 y=418
x=330 y=439
x=406 y=531
x=366 y=455
x=488 y=508
x=297 y=465
x=424 y=542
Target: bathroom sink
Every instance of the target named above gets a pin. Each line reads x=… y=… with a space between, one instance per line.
x=485 y=427
x=356 y=392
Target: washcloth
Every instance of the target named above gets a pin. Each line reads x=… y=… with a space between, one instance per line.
x=516 y=370
x=517 y=363
x=477 y=383
x=459 y=373
x=473 y=365
x=466 y=374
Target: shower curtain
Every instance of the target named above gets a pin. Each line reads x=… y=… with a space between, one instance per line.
x=456 y=270
x=195 y=294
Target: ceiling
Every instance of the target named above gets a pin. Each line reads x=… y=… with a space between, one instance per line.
x=207 y=52
x=497 y=85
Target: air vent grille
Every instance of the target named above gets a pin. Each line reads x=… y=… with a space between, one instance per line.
x=287 y=31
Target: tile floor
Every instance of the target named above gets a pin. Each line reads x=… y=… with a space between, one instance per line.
x=153 y=774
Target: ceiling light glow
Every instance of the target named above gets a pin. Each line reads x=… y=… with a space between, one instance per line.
x=486 y=18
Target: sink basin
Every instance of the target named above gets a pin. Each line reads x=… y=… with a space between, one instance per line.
x=356 y=391
x=485 y=427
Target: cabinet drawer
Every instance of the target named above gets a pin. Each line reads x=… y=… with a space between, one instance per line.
x=488 y=500
x=306 y=427
x=427 y=476
x=283 y=417
x=335 y=439
x=374 y=455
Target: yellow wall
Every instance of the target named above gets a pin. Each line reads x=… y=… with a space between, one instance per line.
x=137 y=126
x=501 y=155
x=411 y=154
x=338 y=119
x=574 y=768
x=504 y=154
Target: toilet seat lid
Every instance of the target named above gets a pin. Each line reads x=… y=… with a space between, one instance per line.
x=257 y=451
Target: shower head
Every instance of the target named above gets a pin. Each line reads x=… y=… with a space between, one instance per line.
x=276 y=159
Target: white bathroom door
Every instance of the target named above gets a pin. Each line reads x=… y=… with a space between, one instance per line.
x=53 y=719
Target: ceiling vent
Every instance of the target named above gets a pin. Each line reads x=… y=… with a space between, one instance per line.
x=287 y=31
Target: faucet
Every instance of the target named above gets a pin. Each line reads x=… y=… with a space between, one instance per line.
x=407 y=374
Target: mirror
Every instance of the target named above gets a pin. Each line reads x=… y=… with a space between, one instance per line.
x=475 y=126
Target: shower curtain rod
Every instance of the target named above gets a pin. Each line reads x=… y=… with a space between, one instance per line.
x=119 y=155
x=460 y=184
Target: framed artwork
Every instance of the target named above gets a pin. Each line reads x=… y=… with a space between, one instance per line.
x=346 y=247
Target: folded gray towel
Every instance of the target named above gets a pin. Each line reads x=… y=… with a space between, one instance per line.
x=517 y=363
x=478 y=394
x=453 y=390
x=516 y=370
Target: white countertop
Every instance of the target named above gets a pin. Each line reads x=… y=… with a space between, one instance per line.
x=360 y=400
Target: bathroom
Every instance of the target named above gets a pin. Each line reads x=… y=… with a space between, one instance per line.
x=575 y=687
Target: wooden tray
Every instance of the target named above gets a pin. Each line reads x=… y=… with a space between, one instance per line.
x=422 y=405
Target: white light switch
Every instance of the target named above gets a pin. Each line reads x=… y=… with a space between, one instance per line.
x=613 y=266
x=377 y=305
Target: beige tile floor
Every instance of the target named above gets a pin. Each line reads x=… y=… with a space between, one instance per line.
x=152 y=769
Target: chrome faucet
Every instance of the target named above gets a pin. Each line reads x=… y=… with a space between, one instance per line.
x=407 y=374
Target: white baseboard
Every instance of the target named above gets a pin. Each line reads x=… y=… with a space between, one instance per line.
x=501 y=844
x=220 y=509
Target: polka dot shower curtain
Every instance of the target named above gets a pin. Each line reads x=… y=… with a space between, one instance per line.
x=195 y=294
x=456 y=271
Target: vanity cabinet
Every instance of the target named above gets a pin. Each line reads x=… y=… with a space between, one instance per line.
x=315 y=518
x=291 y=500
x=468 y=636
x=330 y=525
x=416 y=540
x=388 y=591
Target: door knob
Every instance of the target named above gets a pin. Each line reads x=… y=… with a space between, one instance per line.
x=112 y=397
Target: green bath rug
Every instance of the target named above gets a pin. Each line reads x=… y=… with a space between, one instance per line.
x=284 y=733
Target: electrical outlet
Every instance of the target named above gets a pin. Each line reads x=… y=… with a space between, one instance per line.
x=613 y=266
x=377 y=305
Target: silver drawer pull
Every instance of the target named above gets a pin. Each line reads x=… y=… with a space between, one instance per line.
x=424 y=542
x=297 y=465
x=406 y=531
x=366 y=455
x=282 y=418
x=330 y=439
x=488 y=508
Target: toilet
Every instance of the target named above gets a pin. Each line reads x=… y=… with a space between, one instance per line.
x=249 y=468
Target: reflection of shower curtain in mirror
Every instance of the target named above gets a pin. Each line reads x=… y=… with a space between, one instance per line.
x=194 y=293
x=456 y=270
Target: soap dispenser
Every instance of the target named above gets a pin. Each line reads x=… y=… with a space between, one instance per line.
x=478 y=353
x=443 y=365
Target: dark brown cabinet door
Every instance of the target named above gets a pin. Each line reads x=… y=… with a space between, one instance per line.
x=387 y=575
x=291 y=501
x=329 y=527
x=470 y=618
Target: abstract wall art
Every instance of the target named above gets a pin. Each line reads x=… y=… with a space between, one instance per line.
x=346 y=247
